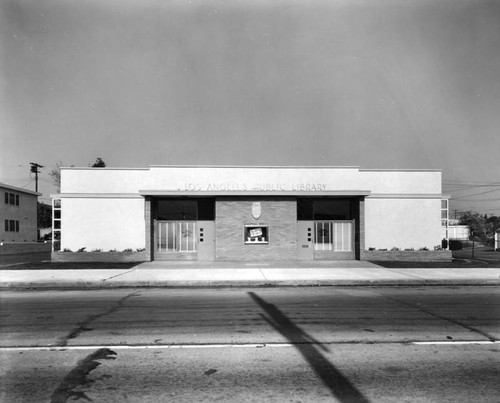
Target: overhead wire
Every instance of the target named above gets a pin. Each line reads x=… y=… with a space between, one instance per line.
x=476 y=194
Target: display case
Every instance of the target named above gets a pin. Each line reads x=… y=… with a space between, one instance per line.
x=256 y=234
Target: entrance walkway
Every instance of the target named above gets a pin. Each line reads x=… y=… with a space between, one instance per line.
x=251 y=274
x=292 y=264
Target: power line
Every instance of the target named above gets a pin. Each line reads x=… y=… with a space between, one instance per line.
x=30 y=181
x=461 y=189
x=465 y=185
x=46 y=180
x=493 y=209
x=458 y=181
x=471 y=185
x=477 y=194
x=474 y=201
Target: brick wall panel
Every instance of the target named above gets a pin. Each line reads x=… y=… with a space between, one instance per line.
x=280 y=214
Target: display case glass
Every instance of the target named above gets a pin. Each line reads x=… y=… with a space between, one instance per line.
x=256 y=234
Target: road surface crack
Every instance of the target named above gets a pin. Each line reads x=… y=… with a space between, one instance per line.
x=455 y=322
x=84 y=326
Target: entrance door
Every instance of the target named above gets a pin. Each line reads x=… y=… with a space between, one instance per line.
x=305 y=240
x=335 y=236
x=176 y=240
x=206 y=240
x=334 y=239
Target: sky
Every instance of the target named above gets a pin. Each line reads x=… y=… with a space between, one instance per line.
x=396 y=84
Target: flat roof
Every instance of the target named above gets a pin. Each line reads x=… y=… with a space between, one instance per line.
x=257 y=167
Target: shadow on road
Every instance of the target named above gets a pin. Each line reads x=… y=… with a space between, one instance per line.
x=332 y=378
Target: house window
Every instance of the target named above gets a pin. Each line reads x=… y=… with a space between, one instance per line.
x=185 y=209
x=11 y=198
x=323 y=209
x=11 y=225
x=56 y=225
x=444 y=212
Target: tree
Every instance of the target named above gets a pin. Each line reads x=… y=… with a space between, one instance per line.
x=482 y=227
x=99 y=163
x=493 y=223
x=55 y=174
x=44 y=216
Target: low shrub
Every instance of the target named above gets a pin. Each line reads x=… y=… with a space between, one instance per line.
x=456 y=245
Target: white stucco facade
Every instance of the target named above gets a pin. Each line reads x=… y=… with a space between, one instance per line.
x=102 y=223
x=402 y=223
x=113 y=208
x=279 y=180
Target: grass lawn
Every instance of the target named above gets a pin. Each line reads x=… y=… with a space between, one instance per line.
x=482 y=257
x=70 y=266
x=455 y=264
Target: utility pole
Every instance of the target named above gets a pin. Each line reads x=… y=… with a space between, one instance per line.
x=34 y=169
x=472 y=233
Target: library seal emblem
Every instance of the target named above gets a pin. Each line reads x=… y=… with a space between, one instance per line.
x=256 y=210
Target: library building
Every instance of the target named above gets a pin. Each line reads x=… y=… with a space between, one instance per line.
x=239 y=213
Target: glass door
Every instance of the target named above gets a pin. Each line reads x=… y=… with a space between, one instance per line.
x=334 y=236
x=176 y=236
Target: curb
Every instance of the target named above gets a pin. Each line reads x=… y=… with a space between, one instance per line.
x=242 y=284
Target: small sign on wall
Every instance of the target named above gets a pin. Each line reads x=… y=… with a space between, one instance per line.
x=255 y=232
x=256 y=210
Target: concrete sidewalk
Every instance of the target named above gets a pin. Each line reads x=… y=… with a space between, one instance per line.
x=258 y=274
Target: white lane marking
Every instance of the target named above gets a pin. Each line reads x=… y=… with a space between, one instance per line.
x=201 y=346
x=455 y=342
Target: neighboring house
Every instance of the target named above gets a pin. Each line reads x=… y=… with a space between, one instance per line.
x=240 y=213
x=18 y=214
x=454 y=231
x=458 y=232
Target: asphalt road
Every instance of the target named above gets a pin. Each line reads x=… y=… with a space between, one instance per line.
x=302 y=344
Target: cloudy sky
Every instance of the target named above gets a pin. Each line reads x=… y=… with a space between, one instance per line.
x=369 y=83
